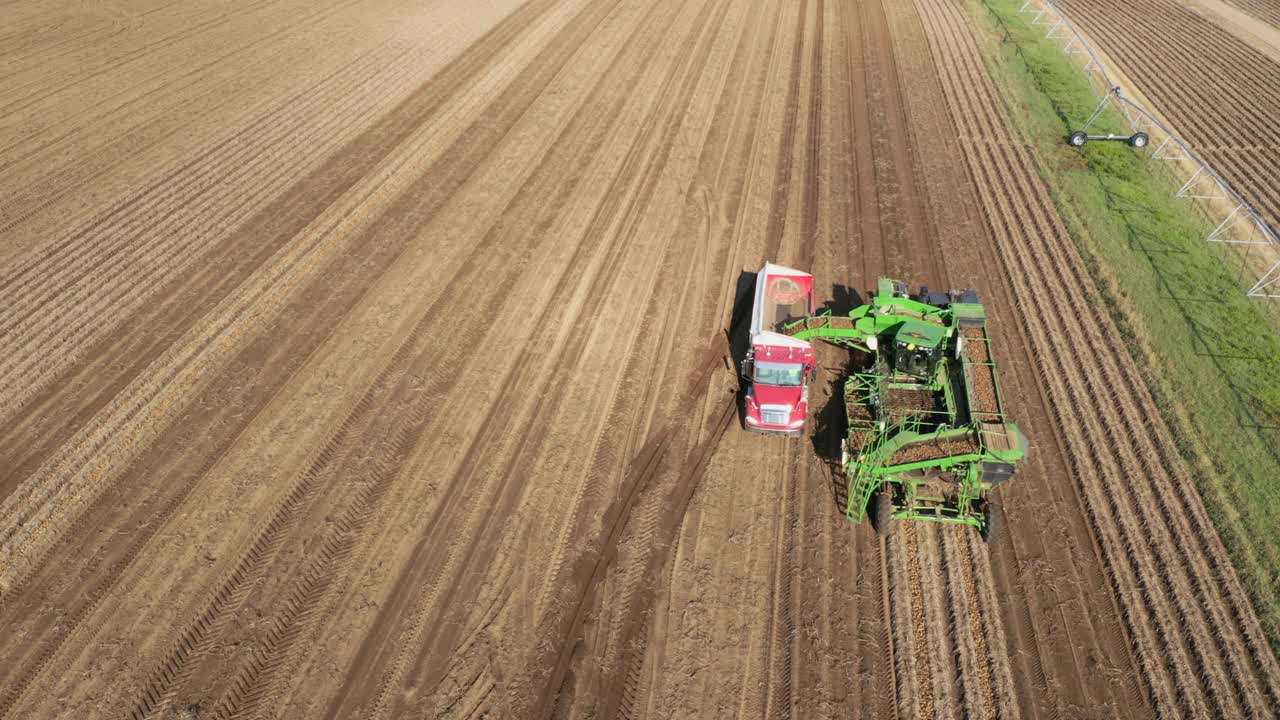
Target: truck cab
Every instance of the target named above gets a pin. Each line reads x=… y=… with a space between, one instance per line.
x=778 y=367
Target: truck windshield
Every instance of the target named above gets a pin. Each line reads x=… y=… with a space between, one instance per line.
x=772 y=373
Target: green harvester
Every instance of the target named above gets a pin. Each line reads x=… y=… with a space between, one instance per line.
x=927 y=437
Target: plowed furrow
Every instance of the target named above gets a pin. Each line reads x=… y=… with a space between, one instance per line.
x=1179 y=587
x=153 y=248
x=183 y=362
x=248 y=685
x=64 y=258
x=55 y=183
x=111 y=269
x=895 y=643
x=603 y=458
x=194 y=294
x=981 y=602
x=661 y=507
x=910 y=240
x=1266 y=10
x=230 y=595
x=592 y=269
x=1140 y=453
x=953 y=665
x=321 y=576
x=1135 y=561
x=777 y=667
x=139 y=94
x=904 y=621
x=481 y=528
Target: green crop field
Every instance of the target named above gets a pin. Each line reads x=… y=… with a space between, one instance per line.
x=1210 y=355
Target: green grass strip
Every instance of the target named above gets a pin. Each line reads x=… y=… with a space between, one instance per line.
x=1209 y=354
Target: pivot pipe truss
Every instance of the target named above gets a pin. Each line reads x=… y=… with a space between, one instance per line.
x=1204 y=183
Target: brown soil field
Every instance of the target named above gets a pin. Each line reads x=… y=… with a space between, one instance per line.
x=365 y=359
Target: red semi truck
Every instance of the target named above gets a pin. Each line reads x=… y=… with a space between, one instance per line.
x=778 y=367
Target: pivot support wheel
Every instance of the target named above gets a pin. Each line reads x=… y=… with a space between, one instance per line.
x=1078 y=138
x=1139 y=140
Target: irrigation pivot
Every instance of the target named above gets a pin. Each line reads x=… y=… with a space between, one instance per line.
x=1082 y=136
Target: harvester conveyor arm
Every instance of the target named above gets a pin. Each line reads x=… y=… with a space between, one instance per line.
x=854 y=330
x=848 y=337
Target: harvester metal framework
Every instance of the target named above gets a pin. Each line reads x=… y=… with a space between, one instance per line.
x=926 y=435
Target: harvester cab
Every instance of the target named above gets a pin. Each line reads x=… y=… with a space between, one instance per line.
x=916 y=349
x=926 y=435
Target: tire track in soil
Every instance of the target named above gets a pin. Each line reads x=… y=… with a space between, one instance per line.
x=635 y=628
x=138 y=105
x=651 y=532
x=865 y=225
x=250 y=676
x=601 y=216
x=195 y=641
x=778 y=699
x=330 y=304
x=967 y=574
x=645 y=183
x=912 y=251
x=890 y=655
x=874 y=264
x=158 y=244
x=649 y=526
x=723 y=166
x=599 y=225
x=791 y=599
x=1171 y=578
x=321 y=190
x=828 y=576
x=202 y=288
x=632 y=650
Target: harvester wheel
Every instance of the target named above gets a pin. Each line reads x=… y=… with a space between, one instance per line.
x=991 y=527
x=1078 y=138
x=882 y=509
x=1139 y=140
